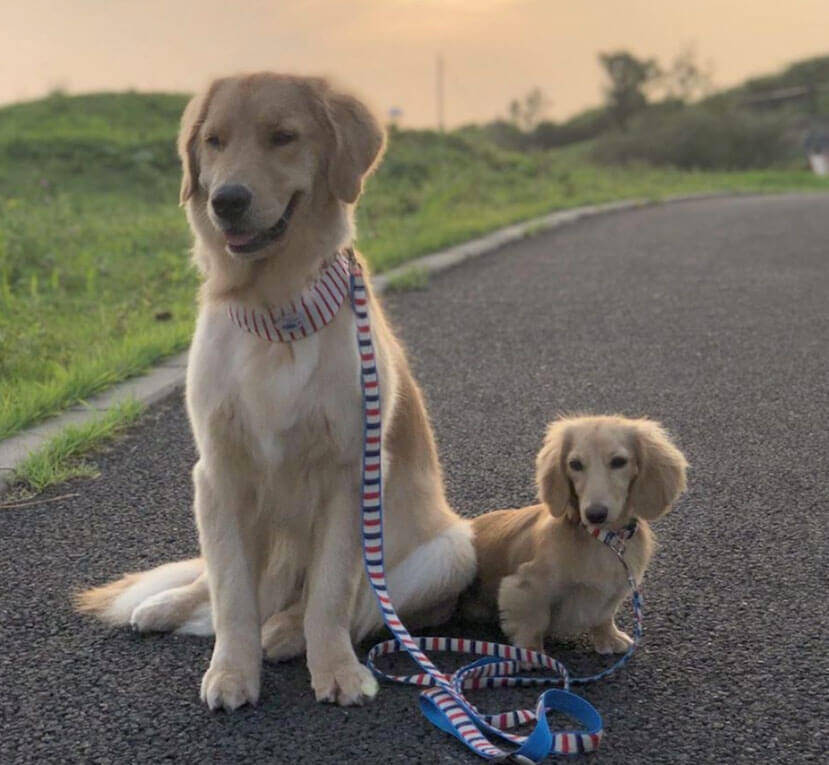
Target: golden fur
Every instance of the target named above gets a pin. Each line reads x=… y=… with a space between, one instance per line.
x=539 y=568
x=278 y=426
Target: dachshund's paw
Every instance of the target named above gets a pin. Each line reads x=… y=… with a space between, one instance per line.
x=611 y=641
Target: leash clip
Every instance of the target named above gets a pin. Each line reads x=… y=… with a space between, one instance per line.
x=615 y=543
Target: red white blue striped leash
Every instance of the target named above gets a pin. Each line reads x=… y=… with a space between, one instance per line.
x=444 y=704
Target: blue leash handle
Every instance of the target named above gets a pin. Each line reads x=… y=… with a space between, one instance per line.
x=542 y=741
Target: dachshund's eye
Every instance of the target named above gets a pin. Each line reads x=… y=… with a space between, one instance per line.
x=213 y=140
x=576 y=465
x=281 y=137
x=618 y=462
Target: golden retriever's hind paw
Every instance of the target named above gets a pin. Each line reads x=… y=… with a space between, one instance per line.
x=283 y=638
x=158 y=613
x=229 y=688
x=346 y=685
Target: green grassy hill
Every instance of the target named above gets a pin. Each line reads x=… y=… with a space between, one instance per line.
x=95 y=283
x=810 y=72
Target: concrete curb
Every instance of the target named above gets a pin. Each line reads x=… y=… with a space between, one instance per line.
x=157 y=384
x=453 y=256
x=169 y=375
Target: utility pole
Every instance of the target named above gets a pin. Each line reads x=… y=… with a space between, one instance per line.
x=439 y=83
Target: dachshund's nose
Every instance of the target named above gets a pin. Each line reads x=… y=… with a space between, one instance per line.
x=231 y=201
x=596 y=514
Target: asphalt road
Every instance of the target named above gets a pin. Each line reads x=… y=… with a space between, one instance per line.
x=709 y=315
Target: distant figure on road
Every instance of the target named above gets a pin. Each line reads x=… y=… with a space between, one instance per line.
x=817 y=147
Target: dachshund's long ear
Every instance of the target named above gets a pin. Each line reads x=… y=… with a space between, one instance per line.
x=188 y=150
x=661 y=471
x=550 y=476
x=357 y=142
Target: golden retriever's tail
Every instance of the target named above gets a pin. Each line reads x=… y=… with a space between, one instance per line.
x=115 y=602
x=425 y=585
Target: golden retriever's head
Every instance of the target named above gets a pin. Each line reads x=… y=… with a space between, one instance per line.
x=264 y=153
x=603 y=470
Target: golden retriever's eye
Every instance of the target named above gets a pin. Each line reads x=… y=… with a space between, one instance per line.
x=576 y=465
x=618 y=462
x=213 y=140
x=281 y=137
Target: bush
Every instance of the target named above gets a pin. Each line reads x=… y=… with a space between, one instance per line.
x=810 y=71
x=506 y=135
x=582 y=127
x=697 y=138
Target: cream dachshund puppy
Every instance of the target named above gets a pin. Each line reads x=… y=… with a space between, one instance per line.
x=539 y=567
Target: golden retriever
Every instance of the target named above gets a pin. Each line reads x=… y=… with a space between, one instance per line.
x=540 y=568
x=272 y=166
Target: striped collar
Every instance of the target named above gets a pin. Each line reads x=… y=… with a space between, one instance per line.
x=310 y=311
x=615 y=540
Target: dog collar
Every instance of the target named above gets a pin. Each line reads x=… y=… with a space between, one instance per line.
x=615 y=540
x=309 y=312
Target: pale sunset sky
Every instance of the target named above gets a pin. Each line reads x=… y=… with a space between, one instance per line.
x=386 y=50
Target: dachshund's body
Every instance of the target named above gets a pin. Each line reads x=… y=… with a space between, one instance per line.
x=540 y=568
x=571 y=582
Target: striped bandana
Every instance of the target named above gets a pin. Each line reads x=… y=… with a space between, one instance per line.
x=316 y=306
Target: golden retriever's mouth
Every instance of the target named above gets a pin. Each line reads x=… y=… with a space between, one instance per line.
x=245 y=242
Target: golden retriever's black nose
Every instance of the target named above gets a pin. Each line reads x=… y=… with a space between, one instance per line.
x=231 y=201
x=596 y=514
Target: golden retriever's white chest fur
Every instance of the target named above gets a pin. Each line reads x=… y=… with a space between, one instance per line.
x=276 y=402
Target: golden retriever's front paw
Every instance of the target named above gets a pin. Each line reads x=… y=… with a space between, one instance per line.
x=346 y=684
x=283 y=637
x=229 y=688
x=615 y=641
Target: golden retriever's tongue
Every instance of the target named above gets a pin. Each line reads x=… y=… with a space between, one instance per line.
x=239 y=240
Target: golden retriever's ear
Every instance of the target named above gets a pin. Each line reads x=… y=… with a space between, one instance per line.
x=191 y=121
x=358 y=141
x=550 y=476
x=661 y=475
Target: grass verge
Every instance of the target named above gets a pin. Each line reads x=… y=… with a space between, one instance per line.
x=95 y=282
x=411 y=279
x=62 y=457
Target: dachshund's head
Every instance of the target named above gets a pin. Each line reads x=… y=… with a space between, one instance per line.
x=603 y=470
